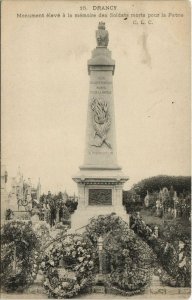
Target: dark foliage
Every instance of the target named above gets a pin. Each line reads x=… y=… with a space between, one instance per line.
x=132 y=201
x=181 y=184
x=166 y=247
x=71 y=205
x=58 y=203
x=9 y=214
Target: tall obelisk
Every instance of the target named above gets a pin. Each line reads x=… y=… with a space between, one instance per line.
x=100 y=180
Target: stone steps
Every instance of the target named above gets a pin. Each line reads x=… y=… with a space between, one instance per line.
x=156 y=289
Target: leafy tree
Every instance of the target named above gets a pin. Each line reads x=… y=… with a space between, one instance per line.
x=131 y=201
x=71 y=205
x=182 y=184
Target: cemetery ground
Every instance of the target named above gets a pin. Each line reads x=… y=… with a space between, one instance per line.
x=149 y=258
x=156 y=289
x=151 y=219
x=171 y=295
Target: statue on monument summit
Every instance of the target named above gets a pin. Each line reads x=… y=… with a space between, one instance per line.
x=102 y=35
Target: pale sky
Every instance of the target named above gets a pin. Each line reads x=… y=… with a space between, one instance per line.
x=45 y=87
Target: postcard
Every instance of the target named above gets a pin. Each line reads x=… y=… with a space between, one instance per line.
x=95 y=149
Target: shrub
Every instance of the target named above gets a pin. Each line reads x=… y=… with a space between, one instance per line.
x=167 y=249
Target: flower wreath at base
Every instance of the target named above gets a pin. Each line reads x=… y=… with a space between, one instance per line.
x=68 y=266
x=127 y=257
x=19 y=255
x=130 y=264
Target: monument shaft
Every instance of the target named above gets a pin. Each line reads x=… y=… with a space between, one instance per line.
x=100 y=136
x=100 y=180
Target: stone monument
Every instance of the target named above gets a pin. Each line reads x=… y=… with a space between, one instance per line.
x=100 y=179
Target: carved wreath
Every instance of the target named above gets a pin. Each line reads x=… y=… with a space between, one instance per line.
x=101 y=121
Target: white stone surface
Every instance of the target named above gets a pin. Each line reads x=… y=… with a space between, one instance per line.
x=83 y=216
x=100 y=169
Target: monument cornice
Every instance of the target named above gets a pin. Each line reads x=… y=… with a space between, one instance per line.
x=101 y=181
x=101 y=68
x=100 y=167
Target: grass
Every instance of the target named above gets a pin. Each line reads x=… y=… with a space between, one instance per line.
x=149 y=218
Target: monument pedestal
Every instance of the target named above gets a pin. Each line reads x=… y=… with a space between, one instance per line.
x=100 y=193
x=100 y=180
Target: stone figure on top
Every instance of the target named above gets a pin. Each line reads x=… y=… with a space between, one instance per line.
x=102 y=35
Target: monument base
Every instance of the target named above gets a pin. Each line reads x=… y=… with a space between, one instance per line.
x=100 y=193
x=82 y=217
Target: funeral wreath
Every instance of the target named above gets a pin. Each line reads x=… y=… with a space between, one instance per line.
x=68 y=266
x=19 y=255
x=127 y=257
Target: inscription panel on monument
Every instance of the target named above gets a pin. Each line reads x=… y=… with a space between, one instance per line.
x=100 y=196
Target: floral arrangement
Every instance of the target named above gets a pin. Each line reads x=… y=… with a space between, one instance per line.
x=42 y=231
x=129 y=258
x=68 y=266
x=167 y=251
x=130 y=263
x=19 y=258
x=104 y=224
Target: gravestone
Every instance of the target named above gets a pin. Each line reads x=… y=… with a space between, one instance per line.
x=100 y=179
